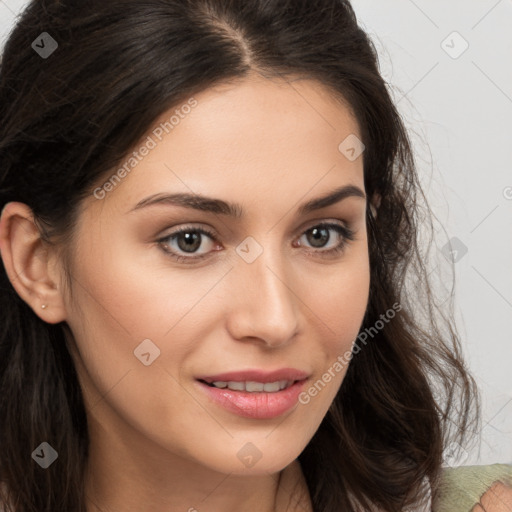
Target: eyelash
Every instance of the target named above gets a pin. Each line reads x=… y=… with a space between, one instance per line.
x=347 y=237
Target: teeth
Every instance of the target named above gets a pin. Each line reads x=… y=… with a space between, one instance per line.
x=236 y=386
x=254 y=387
x=271 y=387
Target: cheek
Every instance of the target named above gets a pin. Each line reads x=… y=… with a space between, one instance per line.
x=339 y=304
x=133 y=290
x=340 y=300
x=120 y=306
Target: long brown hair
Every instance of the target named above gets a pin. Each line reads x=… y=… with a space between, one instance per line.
x=70 y=116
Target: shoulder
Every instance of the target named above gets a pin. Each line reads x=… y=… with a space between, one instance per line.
x=461 y=487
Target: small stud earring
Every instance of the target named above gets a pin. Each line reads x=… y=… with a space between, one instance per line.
x=43 y=306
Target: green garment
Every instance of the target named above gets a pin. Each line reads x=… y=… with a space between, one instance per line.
x=463 y=486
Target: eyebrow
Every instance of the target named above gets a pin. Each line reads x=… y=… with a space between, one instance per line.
x=235 y=210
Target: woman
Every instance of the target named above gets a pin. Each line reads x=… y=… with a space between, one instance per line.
x=209 y=228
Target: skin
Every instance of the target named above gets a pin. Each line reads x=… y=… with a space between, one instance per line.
x=497 y=499
x=157 y=441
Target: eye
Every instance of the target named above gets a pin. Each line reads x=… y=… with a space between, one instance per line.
x=319 y=236
x=188 y=240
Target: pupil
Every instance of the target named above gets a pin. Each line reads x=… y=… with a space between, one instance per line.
x=320 y=235
x=192 y=242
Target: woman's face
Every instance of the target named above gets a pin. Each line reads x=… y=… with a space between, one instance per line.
x=266 y=290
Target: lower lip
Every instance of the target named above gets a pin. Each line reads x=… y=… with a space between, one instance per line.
x=258 y=405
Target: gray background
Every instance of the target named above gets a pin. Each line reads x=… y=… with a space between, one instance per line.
x=458 y=107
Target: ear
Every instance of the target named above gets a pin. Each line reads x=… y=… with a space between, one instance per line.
x=375 y=203
x=30 y=264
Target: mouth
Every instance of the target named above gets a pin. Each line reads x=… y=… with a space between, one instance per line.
x=254 y=394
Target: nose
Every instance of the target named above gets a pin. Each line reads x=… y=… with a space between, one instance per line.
x=264 y=304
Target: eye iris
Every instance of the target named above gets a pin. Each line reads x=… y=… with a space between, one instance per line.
x=319 y=235
x=193 y=241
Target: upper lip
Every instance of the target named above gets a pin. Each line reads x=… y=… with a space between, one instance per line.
x=290 y=374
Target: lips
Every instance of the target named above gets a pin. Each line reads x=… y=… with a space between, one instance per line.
x=258 y=403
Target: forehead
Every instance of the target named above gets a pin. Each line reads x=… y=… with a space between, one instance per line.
x=253 y=139
x=280 y=113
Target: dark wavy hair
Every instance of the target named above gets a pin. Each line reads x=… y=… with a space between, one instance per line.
x=70 y=118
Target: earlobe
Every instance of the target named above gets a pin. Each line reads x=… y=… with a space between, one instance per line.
x=26 y=260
